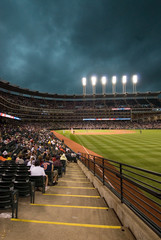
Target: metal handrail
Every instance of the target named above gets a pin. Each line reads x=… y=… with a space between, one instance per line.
x=146 y=200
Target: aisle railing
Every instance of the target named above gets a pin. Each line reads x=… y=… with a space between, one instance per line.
x=138 y=188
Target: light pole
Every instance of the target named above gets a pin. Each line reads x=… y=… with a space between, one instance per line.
x=134 y=80
x=124 y=81
x=84 y=82
x=94 y=79
x=114 y=79
x=103 y=81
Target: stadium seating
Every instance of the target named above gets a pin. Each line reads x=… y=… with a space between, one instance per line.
x=8 y=198
x=39 y=182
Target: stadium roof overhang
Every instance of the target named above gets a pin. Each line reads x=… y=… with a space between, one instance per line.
x=16 y=89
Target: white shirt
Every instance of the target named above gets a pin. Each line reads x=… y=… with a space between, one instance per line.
x=37 y=171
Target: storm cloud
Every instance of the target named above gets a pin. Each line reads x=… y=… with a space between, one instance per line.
x=50 y=45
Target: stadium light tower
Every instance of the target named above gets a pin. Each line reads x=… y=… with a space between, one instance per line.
x=114 y=79
x=134 y=80
x=103 y=81
x=94 y=80
x=84 y=83
x=124 y=81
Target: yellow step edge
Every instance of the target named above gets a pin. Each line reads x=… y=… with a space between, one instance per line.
x=72 y=181
x=68 y=206
x=73 y=187
x=70 y=195
x=67 y=224
x=78 y=178
x=74 y=176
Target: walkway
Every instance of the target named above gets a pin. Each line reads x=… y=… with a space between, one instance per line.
x=71 y=210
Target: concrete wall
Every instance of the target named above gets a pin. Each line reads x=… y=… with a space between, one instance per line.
x=140 y=230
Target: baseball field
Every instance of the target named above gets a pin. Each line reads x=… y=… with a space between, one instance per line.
x=134 y=147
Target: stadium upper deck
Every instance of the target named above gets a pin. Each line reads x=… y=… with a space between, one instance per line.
x=33 y=105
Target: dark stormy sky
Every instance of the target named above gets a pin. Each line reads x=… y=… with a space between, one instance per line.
x=49 y=45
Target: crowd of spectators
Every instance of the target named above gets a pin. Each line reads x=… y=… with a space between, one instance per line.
x=62 y=112
x=50 y=104
x=35 y=147
x=106 y=125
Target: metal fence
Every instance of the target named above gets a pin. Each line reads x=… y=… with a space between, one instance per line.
x=138 y=188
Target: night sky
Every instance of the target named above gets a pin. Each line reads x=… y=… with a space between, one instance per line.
x=49 y=45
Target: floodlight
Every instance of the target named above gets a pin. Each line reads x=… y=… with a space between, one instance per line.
x=103 y=80
x=114 y=79
x=124 y=79
x=84 y=81
x=135 y=79
x=93 y=79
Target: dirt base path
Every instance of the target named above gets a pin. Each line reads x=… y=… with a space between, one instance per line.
x=73 y=145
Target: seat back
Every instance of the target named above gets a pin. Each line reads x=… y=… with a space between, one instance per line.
x=7 y=177
x=6 y=185
x=25 y=189
x=21 y=177
x=39 y=181
x=8 y=198
x=22 y=172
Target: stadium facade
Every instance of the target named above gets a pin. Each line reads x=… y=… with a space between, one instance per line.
x=80 y=111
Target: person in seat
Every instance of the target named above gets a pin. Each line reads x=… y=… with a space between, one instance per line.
x=49 y=167
x=39 y=171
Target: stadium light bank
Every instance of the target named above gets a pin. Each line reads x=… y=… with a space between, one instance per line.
x=104 y=81
x=84 y=83
x=124 y=81
x=114 y=80
x=94 y=80
x=134 y=80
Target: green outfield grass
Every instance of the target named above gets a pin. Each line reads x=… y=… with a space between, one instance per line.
x=140 y=150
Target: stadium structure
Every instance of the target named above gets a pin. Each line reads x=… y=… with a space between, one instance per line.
x=115 y=110
x=132 y=193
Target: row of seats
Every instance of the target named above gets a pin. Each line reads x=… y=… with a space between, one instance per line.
x=16 y=181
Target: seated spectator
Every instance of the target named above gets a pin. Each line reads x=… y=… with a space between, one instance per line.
x=27 y=159
x=31 y=162
x=5 y=153
x=54 y=158
x=57 y=162
x=14 y=157
x=19 y=159
x=48 y=167
x=79 y=155
x=2 y=159
x=63 y=157
x=9 y=158
x=73 y=156
x=40 y=158
x=39 y=171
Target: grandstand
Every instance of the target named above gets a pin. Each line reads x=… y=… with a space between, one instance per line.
x=82 y=111
x=31 y=114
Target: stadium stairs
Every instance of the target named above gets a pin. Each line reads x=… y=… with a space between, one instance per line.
x=73 y=209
